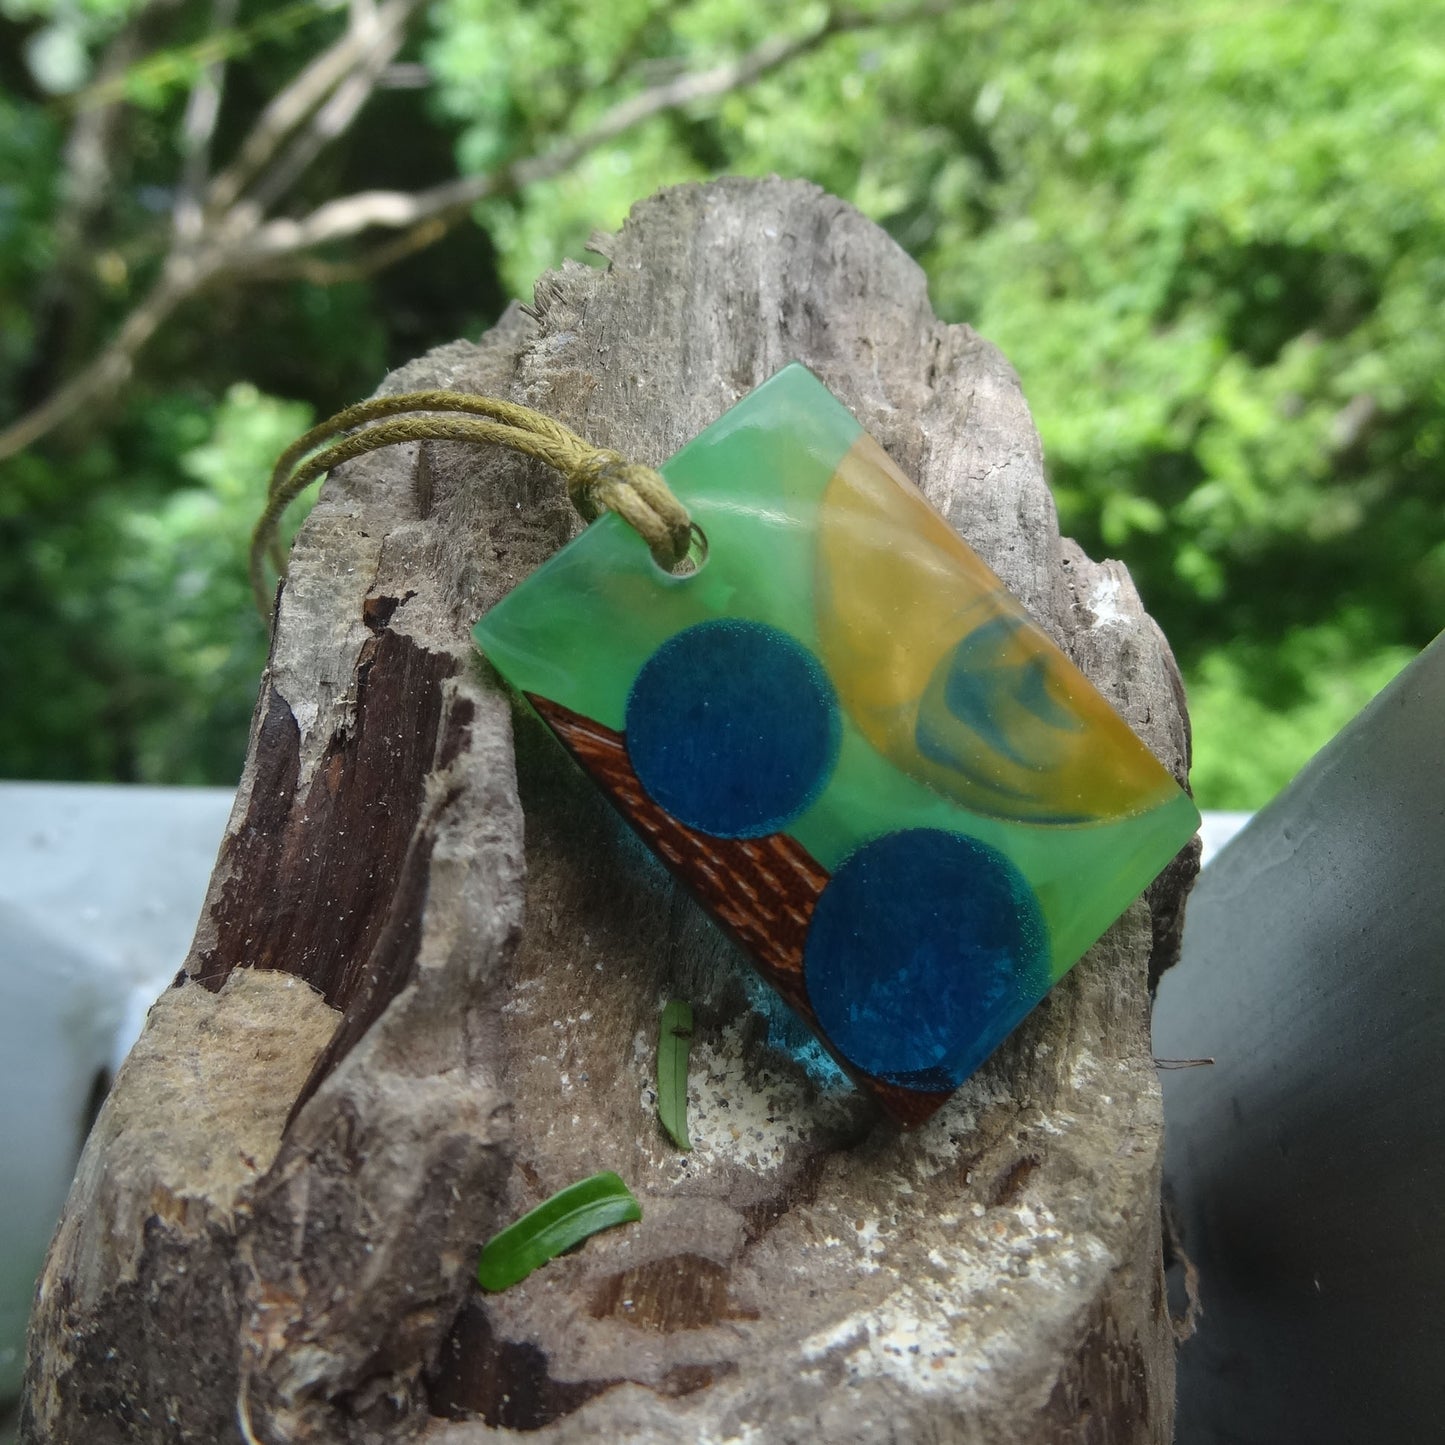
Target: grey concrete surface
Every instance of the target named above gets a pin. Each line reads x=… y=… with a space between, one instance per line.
x=1307 y=1165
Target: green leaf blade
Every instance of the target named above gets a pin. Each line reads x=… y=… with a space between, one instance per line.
x=554 y=1226
x=673 y=1046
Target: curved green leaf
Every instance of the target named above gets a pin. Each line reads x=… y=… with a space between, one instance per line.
x=674 y=1042
x=556 y=1225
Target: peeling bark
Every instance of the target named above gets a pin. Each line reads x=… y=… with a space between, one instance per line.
x=385 y=1056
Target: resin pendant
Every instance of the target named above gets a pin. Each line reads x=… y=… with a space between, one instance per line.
x=849 y=740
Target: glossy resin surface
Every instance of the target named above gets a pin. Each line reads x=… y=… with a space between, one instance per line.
x=849 y=740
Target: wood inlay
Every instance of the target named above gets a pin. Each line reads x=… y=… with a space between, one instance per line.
x=762 y=890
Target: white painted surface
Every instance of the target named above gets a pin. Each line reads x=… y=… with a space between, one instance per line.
x=1218 y=829
x=100 y=888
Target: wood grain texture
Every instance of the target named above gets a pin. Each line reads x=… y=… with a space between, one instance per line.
x=806 y=1272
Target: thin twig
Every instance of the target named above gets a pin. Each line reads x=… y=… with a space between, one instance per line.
x=320 y=272
x=331 y=119
x=198 y=129
x=290 y=107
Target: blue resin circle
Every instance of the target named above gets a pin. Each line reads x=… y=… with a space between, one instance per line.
x=733 y=728
x=925 y=948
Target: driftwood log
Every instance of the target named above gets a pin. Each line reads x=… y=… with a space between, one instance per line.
x=425 y=989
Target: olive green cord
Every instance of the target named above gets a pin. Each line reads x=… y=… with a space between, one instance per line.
x=597 y=477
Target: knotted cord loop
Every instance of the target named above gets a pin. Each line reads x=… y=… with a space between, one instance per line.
x=598 y=479
x=606 y=480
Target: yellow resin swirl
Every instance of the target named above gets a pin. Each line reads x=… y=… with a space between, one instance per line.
x=943 y=672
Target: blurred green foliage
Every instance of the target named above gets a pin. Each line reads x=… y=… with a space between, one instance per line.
x=1211 y=239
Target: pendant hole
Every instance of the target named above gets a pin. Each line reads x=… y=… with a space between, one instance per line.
x=695 y=558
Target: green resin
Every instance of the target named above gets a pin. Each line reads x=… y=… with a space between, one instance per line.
x=955 y=713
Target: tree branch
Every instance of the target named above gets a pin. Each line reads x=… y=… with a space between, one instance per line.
x=398 y=210
x=233 y=241
x=320 y=272
x=330 y=119
x=198 y=127
x=290 y=107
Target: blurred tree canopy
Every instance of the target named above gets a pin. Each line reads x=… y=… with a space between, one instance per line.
x=1211 y=238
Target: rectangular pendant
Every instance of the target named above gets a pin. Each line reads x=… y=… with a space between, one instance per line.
x=849 y=740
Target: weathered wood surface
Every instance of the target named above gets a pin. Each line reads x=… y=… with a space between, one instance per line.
x=230 y=1262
